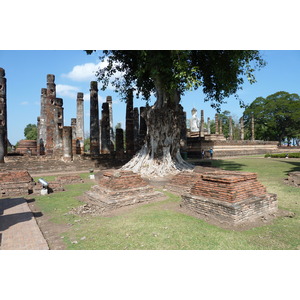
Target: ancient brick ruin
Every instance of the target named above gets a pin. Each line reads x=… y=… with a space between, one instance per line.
x=3 y=116
x=116 y=189
x=15 y=183
x=229 y=197
x=294 y=178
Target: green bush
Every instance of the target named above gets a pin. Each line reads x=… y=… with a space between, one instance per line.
x=283 y=155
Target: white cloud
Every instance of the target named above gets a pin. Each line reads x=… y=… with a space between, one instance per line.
x=24 y=103
x=84 y=72
x=69 y=91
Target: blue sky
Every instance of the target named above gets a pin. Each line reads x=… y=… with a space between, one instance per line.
x=26 y=74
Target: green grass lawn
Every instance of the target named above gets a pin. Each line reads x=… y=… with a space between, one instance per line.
x=157 y=226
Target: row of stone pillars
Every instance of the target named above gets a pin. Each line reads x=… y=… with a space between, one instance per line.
x=102 y=136
x=219 y=129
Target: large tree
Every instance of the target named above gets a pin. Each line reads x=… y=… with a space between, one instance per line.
x=168 y=74
x=276 y=117
x=30 y=132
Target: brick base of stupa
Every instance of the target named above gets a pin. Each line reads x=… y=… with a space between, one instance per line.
x=116 y=189
x=230 y=197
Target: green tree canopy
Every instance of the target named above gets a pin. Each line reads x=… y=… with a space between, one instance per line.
x=170 y=73
x=30 y=132
x=276 y=116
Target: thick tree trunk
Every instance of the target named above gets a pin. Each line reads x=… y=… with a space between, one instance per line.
x=160 y=156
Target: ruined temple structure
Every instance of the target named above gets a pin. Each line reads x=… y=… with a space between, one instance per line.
x=222 y=146
x=50 y=122
x=3 y=116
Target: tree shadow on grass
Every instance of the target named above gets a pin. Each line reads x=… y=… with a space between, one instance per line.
x=227 y=165
x=295 y=166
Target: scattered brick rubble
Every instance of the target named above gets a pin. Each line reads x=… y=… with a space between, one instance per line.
x=294 y=179
x=118 y=189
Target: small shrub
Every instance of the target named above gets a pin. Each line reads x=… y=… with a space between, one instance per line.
x=283 y=155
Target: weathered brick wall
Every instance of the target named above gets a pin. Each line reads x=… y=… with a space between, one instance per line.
x=231 y=213
x=118 y=189
x=228 y=186
x=16 y=183
x=121 y=180
x=227 y=196
x=69 y=179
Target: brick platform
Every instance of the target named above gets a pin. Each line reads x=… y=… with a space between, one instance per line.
x=229 y=197
x=13 y=183
x=121 y=188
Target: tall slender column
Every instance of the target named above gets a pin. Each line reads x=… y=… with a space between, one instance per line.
x=202 y=123
x=67 y=143
x=42 y=130
x=94 y=120
x=252 y=128
x=73 y=125
x=129 y=124
x=119 y=142
x=217 y=123
x=220 y=127
x=111 y=129
x=79 y=124
x=136 y=127
x=230 y=128
x=3 y=116
x=208 y=125
x=105 y=134
x=242 y=128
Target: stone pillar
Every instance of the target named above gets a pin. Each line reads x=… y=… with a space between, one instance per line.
x=3 y=115
x=58 y=127
x=217 y=123
x=111 y=128
x=119 y=142
x=94 y=120
x=73 y=125
x=242 y=128
x=129 y=124
x=230 y=129
x=252 y=128
x=208 y=125
x=67 y=143
x=201 y=123
x=220 y=127
x=49 y=115
x=143 y=126
x=136 y=128
x=42 y=128
x=105 y=134
x=80 y=124
x=1 y=145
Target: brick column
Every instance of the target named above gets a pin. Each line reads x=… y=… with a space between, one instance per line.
x=208 y=125
x=73 y=125
x=230 y=128
x=105 y=134
x=129 y=124
x=202 y=123
x=79 y=124
x=136 y=129
x=42 y=130
x=252 y=128
x=220 y=127
x=111 y=128
x=67 y=143
x=94 y=120
x=217 y=123
x=3 y=114
x=119 y=142
x=242 y=128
